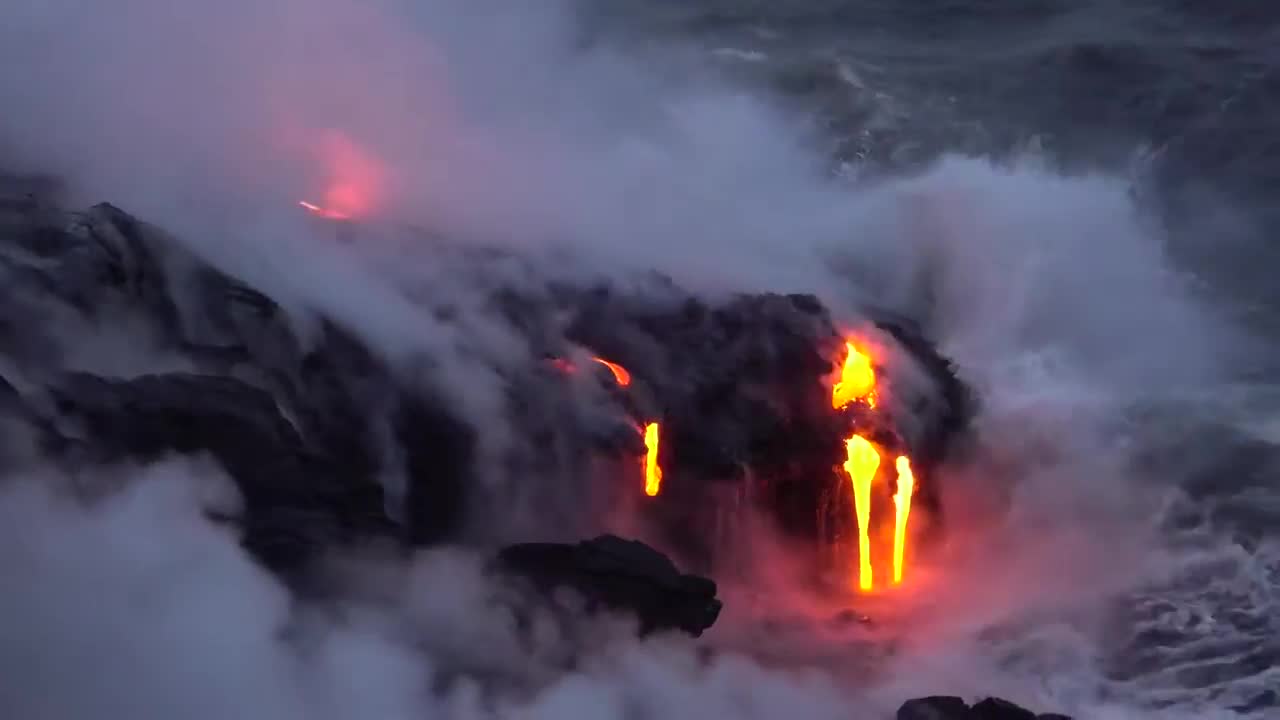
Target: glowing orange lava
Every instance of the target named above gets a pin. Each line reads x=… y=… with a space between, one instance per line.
x=857 y=383
x=902 y=504
x=620 y=373
x=857 y=379
x=652 y=472
x=862 y=463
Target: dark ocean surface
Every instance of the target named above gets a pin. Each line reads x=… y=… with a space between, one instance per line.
x=1184 y=93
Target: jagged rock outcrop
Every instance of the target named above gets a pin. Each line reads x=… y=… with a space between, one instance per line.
x=946 y=707
x=613 y=573
x=298 y=496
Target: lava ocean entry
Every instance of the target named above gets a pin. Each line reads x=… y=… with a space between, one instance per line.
x=809 y=436
x=796 y=451
x=857 y=384
x=352 y=185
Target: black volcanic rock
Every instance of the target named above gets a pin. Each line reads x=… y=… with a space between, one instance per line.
x=944 y=707
x=998 y=709
x=297 y=497
x=619 y=574
x=936 y=707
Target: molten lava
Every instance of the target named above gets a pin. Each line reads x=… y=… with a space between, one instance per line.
x=620 y=373
x=862 y=463
x=857 y=383
x=652 y=472
x=857 y=379
x=902 y=506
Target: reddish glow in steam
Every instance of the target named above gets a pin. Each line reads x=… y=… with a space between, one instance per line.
x=353 y=181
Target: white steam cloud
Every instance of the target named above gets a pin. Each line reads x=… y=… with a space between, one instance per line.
x=495 y=121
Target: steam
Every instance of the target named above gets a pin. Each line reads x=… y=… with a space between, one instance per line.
x=495 y=124
x=137 y=606
x=485 y=121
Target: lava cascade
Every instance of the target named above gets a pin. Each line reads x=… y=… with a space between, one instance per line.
x=857 y=384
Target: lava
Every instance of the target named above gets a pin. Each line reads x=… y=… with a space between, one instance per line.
x=652 y=471
x=862 y=463
x=902 y=506
x=857 y=383
x=323 y=212
x=857 y=379
x=620 y=373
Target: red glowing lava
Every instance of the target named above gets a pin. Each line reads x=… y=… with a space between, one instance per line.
x=352 y=181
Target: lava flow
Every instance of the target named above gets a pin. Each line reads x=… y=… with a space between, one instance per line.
x=652 y=471
x=902 y=504
x=857 y=383
x=861 y=465
x=857 y=380
x=620 y=373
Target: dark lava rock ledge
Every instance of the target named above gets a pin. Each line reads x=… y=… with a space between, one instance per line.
x=947 y=707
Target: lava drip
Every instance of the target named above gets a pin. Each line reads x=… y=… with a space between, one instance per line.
x=652 y=471
x=902 y=507
x=862 y=463
x=857 y=384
